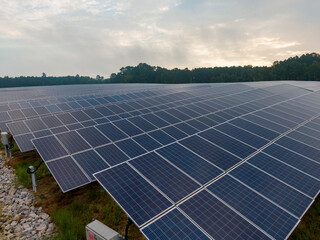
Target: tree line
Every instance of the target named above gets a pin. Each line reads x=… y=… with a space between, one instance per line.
x=305 y=67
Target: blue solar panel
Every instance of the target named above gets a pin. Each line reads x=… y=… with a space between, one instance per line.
x=128 y=127
x=155 y=120
x=147 y=142
x=242 y=135
x=73 y=142
x=42 y=133
x=293 y=159
x=35 y=124
x=49 y=148
x=309 y=131
x=53 y=108
x=90 y=162
x=254 y=207
x=287 y=197
x=74 y=105
x=254 y=128
x=210 y=152
x=174 y=132
x=218 y=220
x=17 y=128
x=24 y=142
x=287 y=174
x=178 y=114
x=67 y=173
x=236 y=147
x=139 y=199
x=92 y=113
x=59 y=130
x=266 y=123
x=131 y=148
x=52 y=121
x=175 y=226
x=300 y=148
x=66 y=118
x=16 y=114
x=104 y=111
x=311 y=141
x=29 y=112
x=276 y=119
x=112 y=154
x=93 y=136
x=186 y=128
x=161 y=137
x=80 y=116
x=172 y=182
x=197 y=124
x=167 y=117
x=195 y=166
x=74 y=126
x=142 y=124
x=112 y=132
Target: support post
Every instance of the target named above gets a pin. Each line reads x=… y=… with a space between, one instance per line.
x=34 y=179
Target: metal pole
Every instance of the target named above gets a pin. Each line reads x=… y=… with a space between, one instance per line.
x=10 y=153
x=6 y=150
x=34 y=179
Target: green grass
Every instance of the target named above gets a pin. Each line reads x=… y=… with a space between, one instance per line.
x=71 y=220
x=23 y=178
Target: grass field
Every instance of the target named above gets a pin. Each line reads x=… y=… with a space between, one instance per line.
x=72 y=211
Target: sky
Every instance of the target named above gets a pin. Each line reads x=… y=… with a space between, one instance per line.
x=91 y=37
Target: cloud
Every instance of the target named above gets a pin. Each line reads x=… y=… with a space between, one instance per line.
x=91 y=37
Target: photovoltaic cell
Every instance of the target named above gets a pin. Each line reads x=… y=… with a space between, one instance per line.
x=140 y=200
x=49 y=148
x=195 y=166
x=287 y=174
x=35 y=124
x=93 y=136
x=242 y=135
x=147 y=142
x=112 y=132
x=236 y=147
x=295 y=160
x=218 y=220
x=73 y=142
x=127 y=127
x=142 y=124
x=210 y=152
x=90 y=162
x=253 y=207
x=67 y=173
x=24 y=142
x=17 y=128
x=161 y=137
x=112 y=154
x=52 y=121
x=288 y=198
x=172 y=182
x=167 y=228
x=131 y=148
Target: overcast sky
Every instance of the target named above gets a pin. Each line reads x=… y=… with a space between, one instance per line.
x=90 y=37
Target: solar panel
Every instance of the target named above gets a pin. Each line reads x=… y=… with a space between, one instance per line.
x=112 y=154
x=287 y=174
x=128 y=127
x=252 y=206
x=73 y=142
x=198 y=168
x=17 y=128
x=140 y=200
x=67 y=173
x=210 y=152
x=147 y=142
x=90 y=162
x=49 y=148
x=218 y=220
x=24 y=142
x=35 y=124
x=172 y=182
x=278 y=192
x=112 y=132
x=230 y=144
x=166 y=228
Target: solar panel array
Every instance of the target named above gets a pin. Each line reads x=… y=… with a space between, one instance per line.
x=185 y=161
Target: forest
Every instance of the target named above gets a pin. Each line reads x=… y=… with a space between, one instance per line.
x=305 y=68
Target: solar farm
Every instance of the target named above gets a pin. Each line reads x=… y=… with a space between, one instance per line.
x=189 y=161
